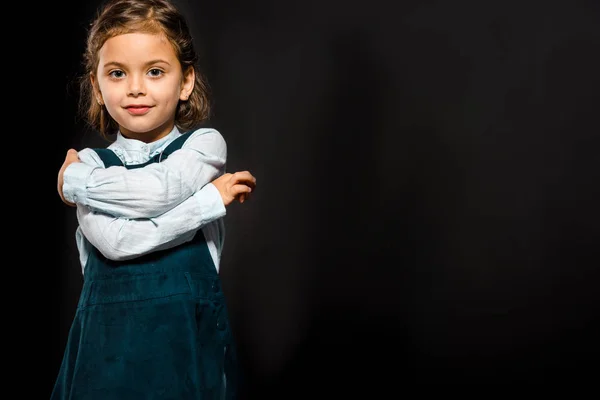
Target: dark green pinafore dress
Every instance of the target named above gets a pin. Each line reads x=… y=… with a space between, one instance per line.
x=155 y=327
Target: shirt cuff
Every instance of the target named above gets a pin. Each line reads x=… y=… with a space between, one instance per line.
x=75 y=180
x=210 y=202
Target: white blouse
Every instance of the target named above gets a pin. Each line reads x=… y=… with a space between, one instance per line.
x=126 y=213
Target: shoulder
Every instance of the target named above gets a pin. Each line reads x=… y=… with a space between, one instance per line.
x=90 y=157
x=206 y=134
x=206 y=139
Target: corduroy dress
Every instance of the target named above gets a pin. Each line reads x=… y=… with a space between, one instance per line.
x=155 y=327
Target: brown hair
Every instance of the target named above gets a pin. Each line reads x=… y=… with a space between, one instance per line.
x=118 y=17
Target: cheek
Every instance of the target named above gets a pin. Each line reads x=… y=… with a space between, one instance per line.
x=112 y=104
x=171 y=90
x=110 y=98
x=171 y=98
x=104 y=91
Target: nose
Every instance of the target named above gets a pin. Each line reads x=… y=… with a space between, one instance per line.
x=136 y=86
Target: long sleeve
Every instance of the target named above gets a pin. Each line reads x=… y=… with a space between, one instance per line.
x=122 y=238
x=150 y=191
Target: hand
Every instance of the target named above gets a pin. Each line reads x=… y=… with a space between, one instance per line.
x=234 y=186
x=70 y=158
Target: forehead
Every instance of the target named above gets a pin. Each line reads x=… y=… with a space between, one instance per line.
x=136 y=48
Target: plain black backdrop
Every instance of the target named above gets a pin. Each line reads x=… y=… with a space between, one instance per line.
x=427 y=201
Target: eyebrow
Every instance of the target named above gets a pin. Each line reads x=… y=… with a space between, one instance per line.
x=151 y=62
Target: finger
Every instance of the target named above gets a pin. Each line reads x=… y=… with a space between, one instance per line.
x=72 y=155
x=240 y=189
x=244 y=197
x=245 y=182
x=244 y=176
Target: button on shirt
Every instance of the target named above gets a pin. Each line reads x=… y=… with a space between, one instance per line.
x=126 y=213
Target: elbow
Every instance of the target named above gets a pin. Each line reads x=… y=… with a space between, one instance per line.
x=114 y=255
x=112 y=247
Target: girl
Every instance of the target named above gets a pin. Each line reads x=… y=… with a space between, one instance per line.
x=152 y=320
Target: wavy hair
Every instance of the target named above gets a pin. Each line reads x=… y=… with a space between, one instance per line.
x=118 y=17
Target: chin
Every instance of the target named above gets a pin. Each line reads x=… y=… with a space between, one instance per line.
x=140 y=129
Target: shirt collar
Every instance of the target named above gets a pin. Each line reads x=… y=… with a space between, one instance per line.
x=149 y=148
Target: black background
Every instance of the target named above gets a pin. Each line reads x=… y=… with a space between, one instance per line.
x=427 y=201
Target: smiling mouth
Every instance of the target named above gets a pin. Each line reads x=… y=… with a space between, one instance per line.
x=138 y=110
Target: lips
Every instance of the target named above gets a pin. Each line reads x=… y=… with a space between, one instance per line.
x=138 y=109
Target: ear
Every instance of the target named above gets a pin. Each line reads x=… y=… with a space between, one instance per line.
x=96 y=89
x=187 y=83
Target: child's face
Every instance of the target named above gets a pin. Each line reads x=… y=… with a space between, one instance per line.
x=140 y=81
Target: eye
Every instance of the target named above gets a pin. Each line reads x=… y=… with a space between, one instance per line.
x=117 y=73
x=155 y=72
